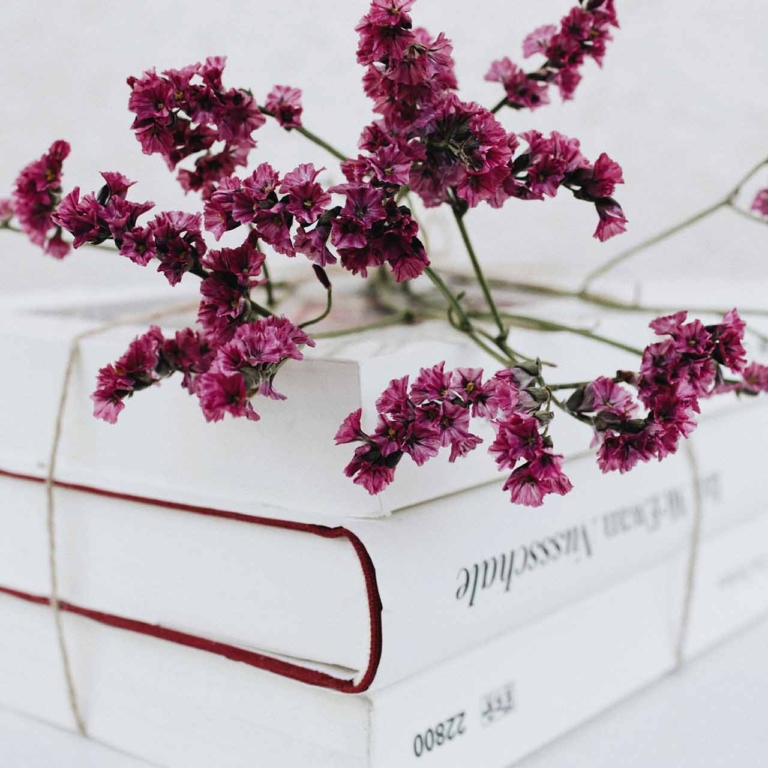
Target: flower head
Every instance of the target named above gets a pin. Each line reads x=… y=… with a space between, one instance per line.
x=36 y=195
x=284 y=103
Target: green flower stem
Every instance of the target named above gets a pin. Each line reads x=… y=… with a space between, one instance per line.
x=271 y=303
x=326 y=311
x=622 y=306
x=465 y=324
x=569 y=385
x=514 y=355
x=320 y=143
x=747 y=215
x=401 y=317
x=538 y=324
x=313 y=137
x=499 y=106
x=729 y=201
x=583 y=418
x=257 y=309
x=479 y=273
x=462 y=322
x=101 y=246
x=622 y=256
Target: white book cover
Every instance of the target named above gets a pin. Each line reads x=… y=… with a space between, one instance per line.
x=182 y=708
x=371 y=602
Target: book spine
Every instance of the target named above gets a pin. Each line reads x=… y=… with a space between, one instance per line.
x=510 y=697
x=455 y=573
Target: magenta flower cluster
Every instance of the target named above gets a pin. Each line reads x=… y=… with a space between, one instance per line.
x=224 y=378
x=369 y=230
x=426 y=139
x=185 y=112
x=583 y=33
x=451 y=151
x=284 y=104
x=149 y=358
x=674 y=375
x=172 y=237
x=435 y=412
x=35 y=198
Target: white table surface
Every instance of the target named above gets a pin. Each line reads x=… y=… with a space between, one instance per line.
x=711 y=714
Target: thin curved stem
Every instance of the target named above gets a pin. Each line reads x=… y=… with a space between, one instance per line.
x=338 y=154
x=568 y=385
x=271 y=303
x=499 y=106
x=679 y=227
x=326 y=311
x=100 y=246
x=396 y=319
x=744 y=179
x=747 y=215
x=313 y=137
x=479 y=274
x=601 y=300
x=622 y=256
x=448 y=294
x=538 y=324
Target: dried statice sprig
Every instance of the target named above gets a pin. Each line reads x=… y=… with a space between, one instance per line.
x=583 y=34
x=636 y=416
x=675 y=374
x=451 y=151
x=435 y=412
x=425 y=140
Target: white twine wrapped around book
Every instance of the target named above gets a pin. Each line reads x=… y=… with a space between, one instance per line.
x=693 y=557
x=50 y=482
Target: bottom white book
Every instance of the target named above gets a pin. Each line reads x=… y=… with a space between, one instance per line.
x=180 y=707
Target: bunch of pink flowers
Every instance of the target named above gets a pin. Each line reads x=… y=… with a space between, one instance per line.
x=427 y=141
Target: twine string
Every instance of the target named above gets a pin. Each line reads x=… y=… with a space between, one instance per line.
x=50 y=483
x=693 y=558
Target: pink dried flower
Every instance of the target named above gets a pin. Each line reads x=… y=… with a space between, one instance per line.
x=521 y=90
x=538 y=40
x=222 y=393
x=183 y=112
x=36 y=195
x=137 y=369
x=760 y=203
x=436 y=411
x=6 y=211
x=307 y=200
x=314 y=244
x=755 y=378
x=284 y=103
x=674 y=374
x=104 y=215
x=530 y=483
x=612 y=219
x=246 y=364
x=178 y=242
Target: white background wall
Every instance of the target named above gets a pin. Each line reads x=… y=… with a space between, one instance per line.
x=681 y=104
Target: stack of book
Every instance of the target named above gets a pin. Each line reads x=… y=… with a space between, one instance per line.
x=230 y=598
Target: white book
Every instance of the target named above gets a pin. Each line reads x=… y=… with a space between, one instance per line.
x=183 y=708
x=254 y=468
x=373 y=602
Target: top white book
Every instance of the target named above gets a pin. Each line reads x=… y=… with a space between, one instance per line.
x=286 y=466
